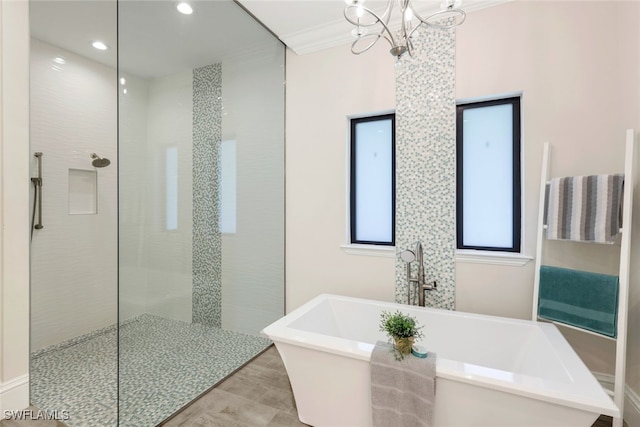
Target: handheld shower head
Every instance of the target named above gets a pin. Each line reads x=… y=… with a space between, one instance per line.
x=408 y=255
x=99 y=162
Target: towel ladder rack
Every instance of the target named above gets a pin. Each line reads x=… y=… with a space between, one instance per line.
x=623 y=274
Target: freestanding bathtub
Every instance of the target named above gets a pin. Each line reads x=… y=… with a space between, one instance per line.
x=491 y=371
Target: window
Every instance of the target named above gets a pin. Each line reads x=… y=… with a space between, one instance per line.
x=488 y=196
x=171 y=169
x=372 y=186
x=228 y=180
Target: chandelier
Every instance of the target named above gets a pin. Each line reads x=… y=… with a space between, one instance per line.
x=370 y=26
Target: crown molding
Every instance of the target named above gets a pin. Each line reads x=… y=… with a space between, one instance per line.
x=338 y=32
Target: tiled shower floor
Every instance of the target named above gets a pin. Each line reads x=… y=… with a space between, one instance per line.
x=164 y=364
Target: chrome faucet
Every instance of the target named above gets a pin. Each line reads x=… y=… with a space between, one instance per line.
x=409 y=256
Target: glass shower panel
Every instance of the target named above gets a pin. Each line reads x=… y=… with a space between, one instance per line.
x=73 y=109
x=201 y=199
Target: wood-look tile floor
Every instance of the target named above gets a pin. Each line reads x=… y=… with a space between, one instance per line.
x=257 y=395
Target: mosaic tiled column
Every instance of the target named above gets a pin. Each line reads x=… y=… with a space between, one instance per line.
x=207 y=247
x=425 y=163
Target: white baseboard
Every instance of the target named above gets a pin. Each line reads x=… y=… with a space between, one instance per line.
x=632 y=408
x=14 y=394
x=631 y=399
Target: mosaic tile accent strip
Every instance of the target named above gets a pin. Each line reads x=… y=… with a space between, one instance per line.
x=425 y=163
x=164 y=364
x=207 y=243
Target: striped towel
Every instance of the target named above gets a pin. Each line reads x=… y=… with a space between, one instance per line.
x=402 y=392
x=585 y=208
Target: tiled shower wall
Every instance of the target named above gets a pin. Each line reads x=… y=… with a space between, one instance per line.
x=173 y=273
x=73 y=258
x=253 y=253
x=425 y=163
x=179 y=272
x=155 y=261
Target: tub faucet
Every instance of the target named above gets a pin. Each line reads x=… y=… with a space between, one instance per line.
x=409 y=256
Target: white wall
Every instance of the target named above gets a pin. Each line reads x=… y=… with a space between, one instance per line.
x=577 y=65
x=74 y=257
x=322 y=90
x=580 y=86
x=253 y=257
x=573 y=96
x=14 y=201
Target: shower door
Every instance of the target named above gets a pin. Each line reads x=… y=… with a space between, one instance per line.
x=73 y=127
x=157 y=253
x=201 y=199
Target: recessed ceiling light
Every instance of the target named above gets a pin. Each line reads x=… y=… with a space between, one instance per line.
x=99 y=45
x=184 y=8
x=59 y=60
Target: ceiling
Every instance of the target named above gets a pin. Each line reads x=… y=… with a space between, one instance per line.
x=310 y=25
x=73 y=25
x=153 y=39
x=150 y=38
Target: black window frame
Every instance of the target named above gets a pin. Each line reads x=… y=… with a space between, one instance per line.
x=516 y=244
x=352 y=173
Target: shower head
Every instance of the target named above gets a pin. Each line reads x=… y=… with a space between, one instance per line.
x=408 y=255
x=99 y=162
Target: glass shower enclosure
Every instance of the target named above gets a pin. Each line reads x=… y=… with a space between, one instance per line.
x=161 y=252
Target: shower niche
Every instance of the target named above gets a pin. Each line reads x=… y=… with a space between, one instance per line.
x=83 y=192
x=143 y=280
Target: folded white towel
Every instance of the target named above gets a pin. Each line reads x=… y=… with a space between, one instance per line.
x=402 y=391
x=585 y=208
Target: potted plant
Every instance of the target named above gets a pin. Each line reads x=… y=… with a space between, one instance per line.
x=403 y=328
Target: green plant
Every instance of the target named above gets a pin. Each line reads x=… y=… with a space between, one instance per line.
x=403 y=329
x=399 y=325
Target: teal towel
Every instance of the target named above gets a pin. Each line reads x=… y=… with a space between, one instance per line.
x=579 y=298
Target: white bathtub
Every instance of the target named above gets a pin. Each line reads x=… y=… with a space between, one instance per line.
x=491 y=371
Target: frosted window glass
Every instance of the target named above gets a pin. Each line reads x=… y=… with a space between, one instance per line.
x=227 y=219
x=373 y=178
x=172 y=187
x=488 y=176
